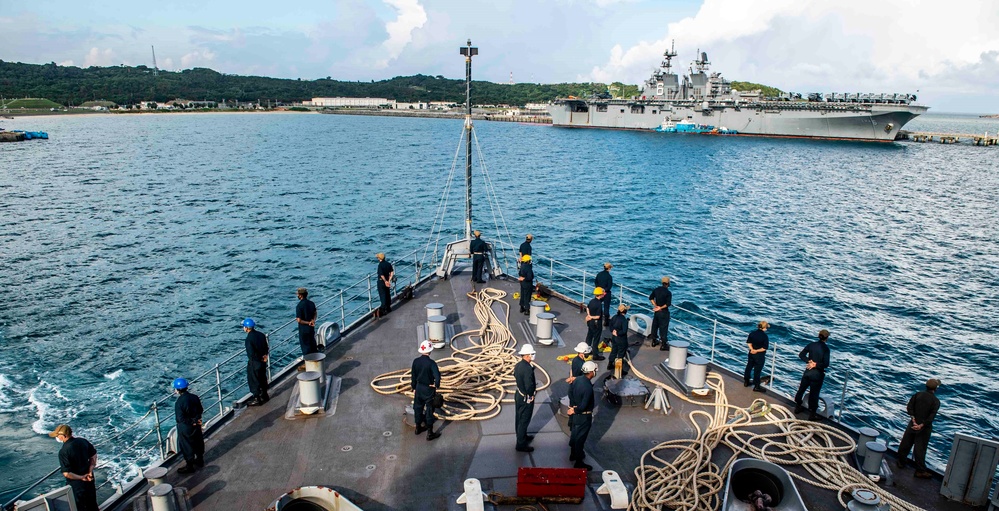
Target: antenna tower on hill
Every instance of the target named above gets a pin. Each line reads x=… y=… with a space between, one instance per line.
x=156 y=70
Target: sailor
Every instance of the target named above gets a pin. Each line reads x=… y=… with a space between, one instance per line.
x=478 y=248
x=605 y=281
x=525 y=247
x=526 y=279
x=619 y=340
x=816 y=359
x=576 y=369
x=256 y=364
x=190 y=439
x=305 y=316
x=661 y=299
x=922 y=410
x=386 y=274
x=527 y=386
x=581 y=414
x=77 y=459
x=426 y=379
x=757 y=343
x=593 y=318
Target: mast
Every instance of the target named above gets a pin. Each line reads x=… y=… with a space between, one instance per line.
x=468 y=51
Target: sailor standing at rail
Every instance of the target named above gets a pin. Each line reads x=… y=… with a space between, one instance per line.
x=190 y=439
x=758 y=343
x=581 y=414
x=593 y=319
x=619 y=340
x=922 y=410
x=478 y=249
x=256 y=364
x=525 y=247
x=425 y=380
x=576 y=369
x=816 y=359
x=606 y=282
x=527 y=387
x=526 y=278
x=661 y=299
x=305 y=316
x=77 y=459
x=386 y=273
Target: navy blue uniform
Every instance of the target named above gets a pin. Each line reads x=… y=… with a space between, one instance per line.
x=660 y=320
x=74 y=457
x=758 y=340
x=478 y=249
x=525 y=248
x=306 y=311
x=812 y=379
x=385 y=273
x=190 y=439
x=426 y=379
x=619 y=342
x=593 y=327
x=527 y=386
x=605 y=281
x=526 y=286
x=922 y=408
x=577 y=366
x=581 y=398
x=256 y=367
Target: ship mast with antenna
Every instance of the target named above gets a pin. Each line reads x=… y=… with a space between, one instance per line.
x=468 y=51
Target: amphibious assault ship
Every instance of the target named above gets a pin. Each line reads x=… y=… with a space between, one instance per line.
x=679 y=431
x=704 y=97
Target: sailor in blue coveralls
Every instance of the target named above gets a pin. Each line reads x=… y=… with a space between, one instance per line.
x=816 y=358
x=526 y=278
x=661 y=299
x=619 y=340
x=576 y=369
x=581 y=414
x=305 y=316
x=593 y=322
x=425 y=380
x=606 y=282
x=523 y=399
x=478 y=248
x=190 y=439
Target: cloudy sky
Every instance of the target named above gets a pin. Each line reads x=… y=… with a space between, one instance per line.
x=948 y=51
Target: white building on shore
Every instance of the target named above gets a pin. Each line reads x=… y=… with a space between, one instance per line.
x=352 y=102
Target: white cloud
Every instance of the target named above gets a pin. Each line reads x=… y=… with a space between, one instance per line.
x=98 y=57
x=411 y=16
x=167 y=64
x=197 y=58
x=67 y=63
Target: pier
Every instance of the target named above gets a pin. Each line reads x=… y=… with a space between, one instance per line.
x=949 y=138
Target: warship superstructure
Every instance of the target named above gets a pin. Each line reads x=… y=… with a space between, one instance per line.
x=704 y=97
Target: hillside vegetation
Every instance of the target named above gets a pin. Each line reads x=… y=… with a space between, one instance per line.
x=30 y=103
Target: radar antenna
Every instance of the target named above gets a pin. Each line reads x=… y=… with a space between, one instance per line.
x=668 y=56
x=701 y=63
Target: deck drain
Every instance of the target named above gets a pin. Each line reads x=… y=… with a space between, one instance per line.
x=346 y=448
x=645 y=419
x=348 y=358
x=370 y=467
x=655 y=442
x=391 y=457
x=386 y=433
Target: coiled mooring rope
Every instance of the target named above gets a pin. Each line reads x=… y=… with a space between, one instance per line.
x=477 y=379
x=679 y=474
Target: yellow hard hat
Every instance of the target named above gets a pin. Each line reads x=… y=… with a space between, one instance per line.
x=525 y=259
x=597 y=291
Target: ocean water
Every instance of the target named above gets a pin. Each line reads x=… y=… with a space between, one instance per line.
x=131 y=246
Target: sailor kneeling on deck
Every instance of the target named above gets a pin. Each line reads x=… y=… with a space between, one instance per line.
x=426 y=379
x=581 y=414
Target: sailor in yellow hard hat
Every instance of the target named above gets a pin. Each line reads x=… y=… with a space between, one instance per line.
x=526 y=278
x=593 y=321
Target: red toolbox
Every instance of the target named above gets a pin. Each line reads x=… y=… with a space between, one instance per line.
x=551 y=482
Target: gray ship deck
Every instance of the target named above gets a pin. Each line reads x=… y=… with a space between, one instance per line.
x=259 y=455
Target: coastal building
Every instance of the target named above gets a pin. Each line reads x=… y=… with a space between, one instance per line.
x=351 y=102
x=411 y=106
x=536 y=107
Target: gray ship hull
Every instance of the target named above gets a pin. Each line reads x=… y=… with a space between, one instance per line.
x=868 y=122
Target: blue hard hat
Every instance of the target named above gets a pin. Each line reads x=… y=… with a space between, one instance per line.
x=180 y=383
x=249 y=323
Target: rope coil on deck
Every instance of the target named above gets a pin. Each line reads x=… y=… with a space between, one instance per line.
x=477 y=379
x=679 y=474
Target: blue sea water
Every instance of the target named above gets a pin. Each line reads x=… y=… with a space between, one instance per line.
x=131 y=246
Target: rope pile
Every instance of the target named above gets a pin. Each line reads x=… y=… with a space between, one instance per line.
x=679 y=474
x=475 y=380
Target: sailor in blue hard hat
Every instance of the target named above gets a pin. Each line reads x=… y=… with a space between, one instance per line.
x=190 y=439
x=257 y=352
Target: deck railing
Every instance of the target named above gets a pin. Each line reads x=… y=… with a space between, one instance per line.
x=146 y=439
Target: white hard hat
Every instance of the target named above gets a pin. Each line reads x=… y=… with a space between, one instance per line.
x=527 y=349
x=582 y=347
x=589 y=367
x=426 y=347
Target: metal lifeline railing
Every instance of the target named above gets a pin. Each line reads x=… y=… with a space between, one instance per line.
x=225 y=382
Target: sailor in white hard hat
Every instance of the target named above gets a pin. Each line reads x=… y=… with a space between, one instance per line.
x=426 y=379
x=527 y=386
x=582 y=349
x=581 y=414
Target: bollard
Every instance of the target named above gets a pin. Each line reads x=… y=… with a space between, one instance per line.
x=434 y=309
x=537 y=307
x=872 y=460
x=678 y=354
x=697 y=371
x=161 y=497
x=544 y=328
x=316 y=362
x=864 y=500
x=435 y=331
x=866 y=435
x=308 y=392
x=155 y=475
